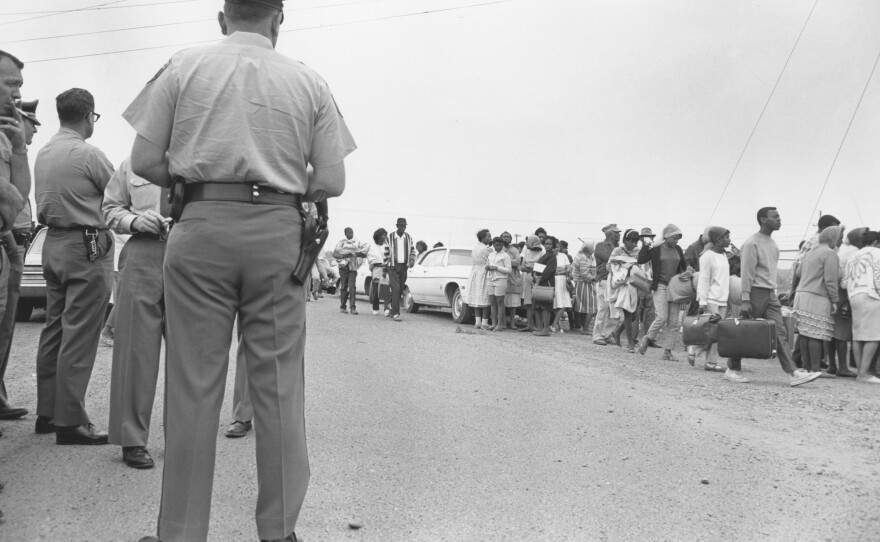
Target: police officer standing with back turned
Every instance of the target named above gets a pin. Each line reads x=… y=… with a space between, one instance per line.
x=69 y=179
x=241 y=124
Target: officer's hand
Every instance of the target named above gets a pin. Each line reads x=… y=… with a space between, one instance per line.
x=411 y=264
x=13 y=127
x=745 y=312
x=149 y=222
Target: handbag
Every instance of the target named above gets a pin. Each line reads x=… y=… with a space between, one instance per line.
x=700 y=330
x=681 y=289
x=542 y=294
x=639 y=280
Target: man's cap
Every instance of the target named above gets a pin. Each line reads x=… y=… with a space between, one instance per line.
x=401 y=222
x=277 y=4
x=646 y=232
x=28 y=110
x=610 y=228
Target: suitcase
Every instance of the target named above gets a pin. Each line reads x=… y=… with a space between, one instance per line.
x=755 y=339
x=700 y=330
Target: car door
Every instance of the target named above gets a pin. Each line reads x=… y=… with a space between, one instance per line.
x=431 y=273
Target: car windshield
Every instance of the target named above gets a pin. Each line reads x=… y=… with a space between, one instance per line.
x=459 y=257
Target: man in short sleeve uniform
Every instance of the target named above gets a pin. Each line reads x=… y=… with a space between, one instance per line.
x=242 y=125
x=69 y=179
x=133 y=206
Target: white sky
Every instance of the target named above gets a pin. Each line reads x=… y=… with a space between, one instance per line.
x=567 y=114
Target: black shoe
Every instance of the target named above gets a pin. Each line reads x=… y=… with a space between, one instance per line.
x=238 y=429
x=8 y=412
x=137 y=457
x=44 y=425
x=653 y=344
x=80 y=434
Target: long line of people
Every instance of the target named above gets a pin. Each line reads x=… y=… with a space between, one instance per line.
x=638 y=292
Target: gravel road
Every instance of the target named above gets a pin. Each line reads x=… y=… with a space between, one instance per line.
x=427 y=431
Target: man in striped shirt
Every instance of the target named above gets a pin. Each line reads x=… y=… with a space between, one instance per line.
x=402 y=258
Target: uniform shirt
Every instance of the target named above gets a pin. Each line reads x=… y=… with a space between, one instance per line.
x=128 y=196
x=69 y=178
x=238 y=111
x=5 y=166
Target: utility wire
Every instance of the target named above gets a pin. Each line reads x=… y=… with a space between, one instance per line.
x=843 y=140
x=94 y=8
x=62 y=12
x=178 y=23
x=346 y=23
x=761 y=116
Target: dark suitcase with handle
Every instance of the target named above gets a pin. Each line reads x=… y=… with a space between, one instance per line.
x=755 y=339
x=700 y=330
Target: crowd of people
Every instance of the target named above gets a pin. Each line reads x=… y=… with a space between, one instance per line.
x=635 y=294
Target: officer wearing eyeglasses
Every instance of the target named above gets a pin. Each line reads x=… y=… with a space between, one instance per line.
x=252 y=133
x=69 y=179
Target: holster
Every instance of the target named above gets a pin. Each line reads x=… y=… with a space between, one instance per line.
x=177 y=197
x=314 y=235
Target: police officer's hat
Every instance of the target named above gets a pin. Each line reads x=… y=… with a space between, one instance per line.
x=28 y=110
x=277 y=4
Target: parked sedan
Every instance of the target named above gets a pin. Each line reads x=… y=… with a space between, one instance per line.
x=440 y=279
x=33 y=285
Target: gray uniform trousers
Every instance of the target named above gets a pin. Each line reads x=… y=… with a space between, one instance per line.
x=242 y=409
x=225 y=258
x=77 y=293
x=7 y=321
x=140 y=317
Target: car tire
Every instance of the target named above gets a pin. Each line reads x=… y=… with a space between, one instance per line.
x=24 y=311
x=461 y=312
x=410 y=306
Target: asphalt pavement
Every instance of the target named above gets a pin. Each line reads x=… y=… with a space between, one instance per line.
x=424 y=430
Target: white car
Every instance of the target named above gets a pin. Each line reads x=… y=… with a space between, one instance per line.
x=440 y=279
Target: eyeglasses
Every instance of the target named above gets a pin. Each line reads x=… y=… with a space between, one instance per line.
x=93 y=116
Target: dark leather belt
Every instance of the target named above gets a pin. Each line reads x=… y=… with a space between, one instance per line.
x=78 y=228
x=240 y=192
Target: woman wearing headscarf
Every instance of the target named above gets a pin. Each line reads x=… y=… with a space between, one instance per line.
x=863 y=286
x=532 y=252
x=667 y=260
x=547 y=277
x=817 y=296
x=513 y=299
x=583 y=274
x=478 y=290
x=621 y=296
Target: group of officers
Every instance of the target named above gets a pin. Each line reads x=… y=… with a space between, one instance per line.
x=251 y=135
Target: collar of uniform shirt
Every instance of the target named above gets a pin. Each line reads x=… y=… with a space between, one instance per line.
x=69 y=132
x=250 y=38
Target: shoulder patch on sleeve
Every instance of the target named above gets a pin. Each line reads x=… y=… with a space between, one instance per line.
x=158 y=73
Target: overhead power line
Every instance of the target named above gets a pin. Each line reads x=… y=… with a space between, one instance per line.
x=316 y=27
x=843 y=140
x=761 y=116
x=177 y=23
x=62 y=12
x=93 y=8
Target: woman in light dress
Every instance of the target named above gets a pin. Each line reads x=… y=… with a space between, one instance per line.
x=478 y=292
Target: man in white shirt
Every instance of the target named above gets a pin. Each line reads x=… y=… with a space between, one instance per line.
x=403 y=257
